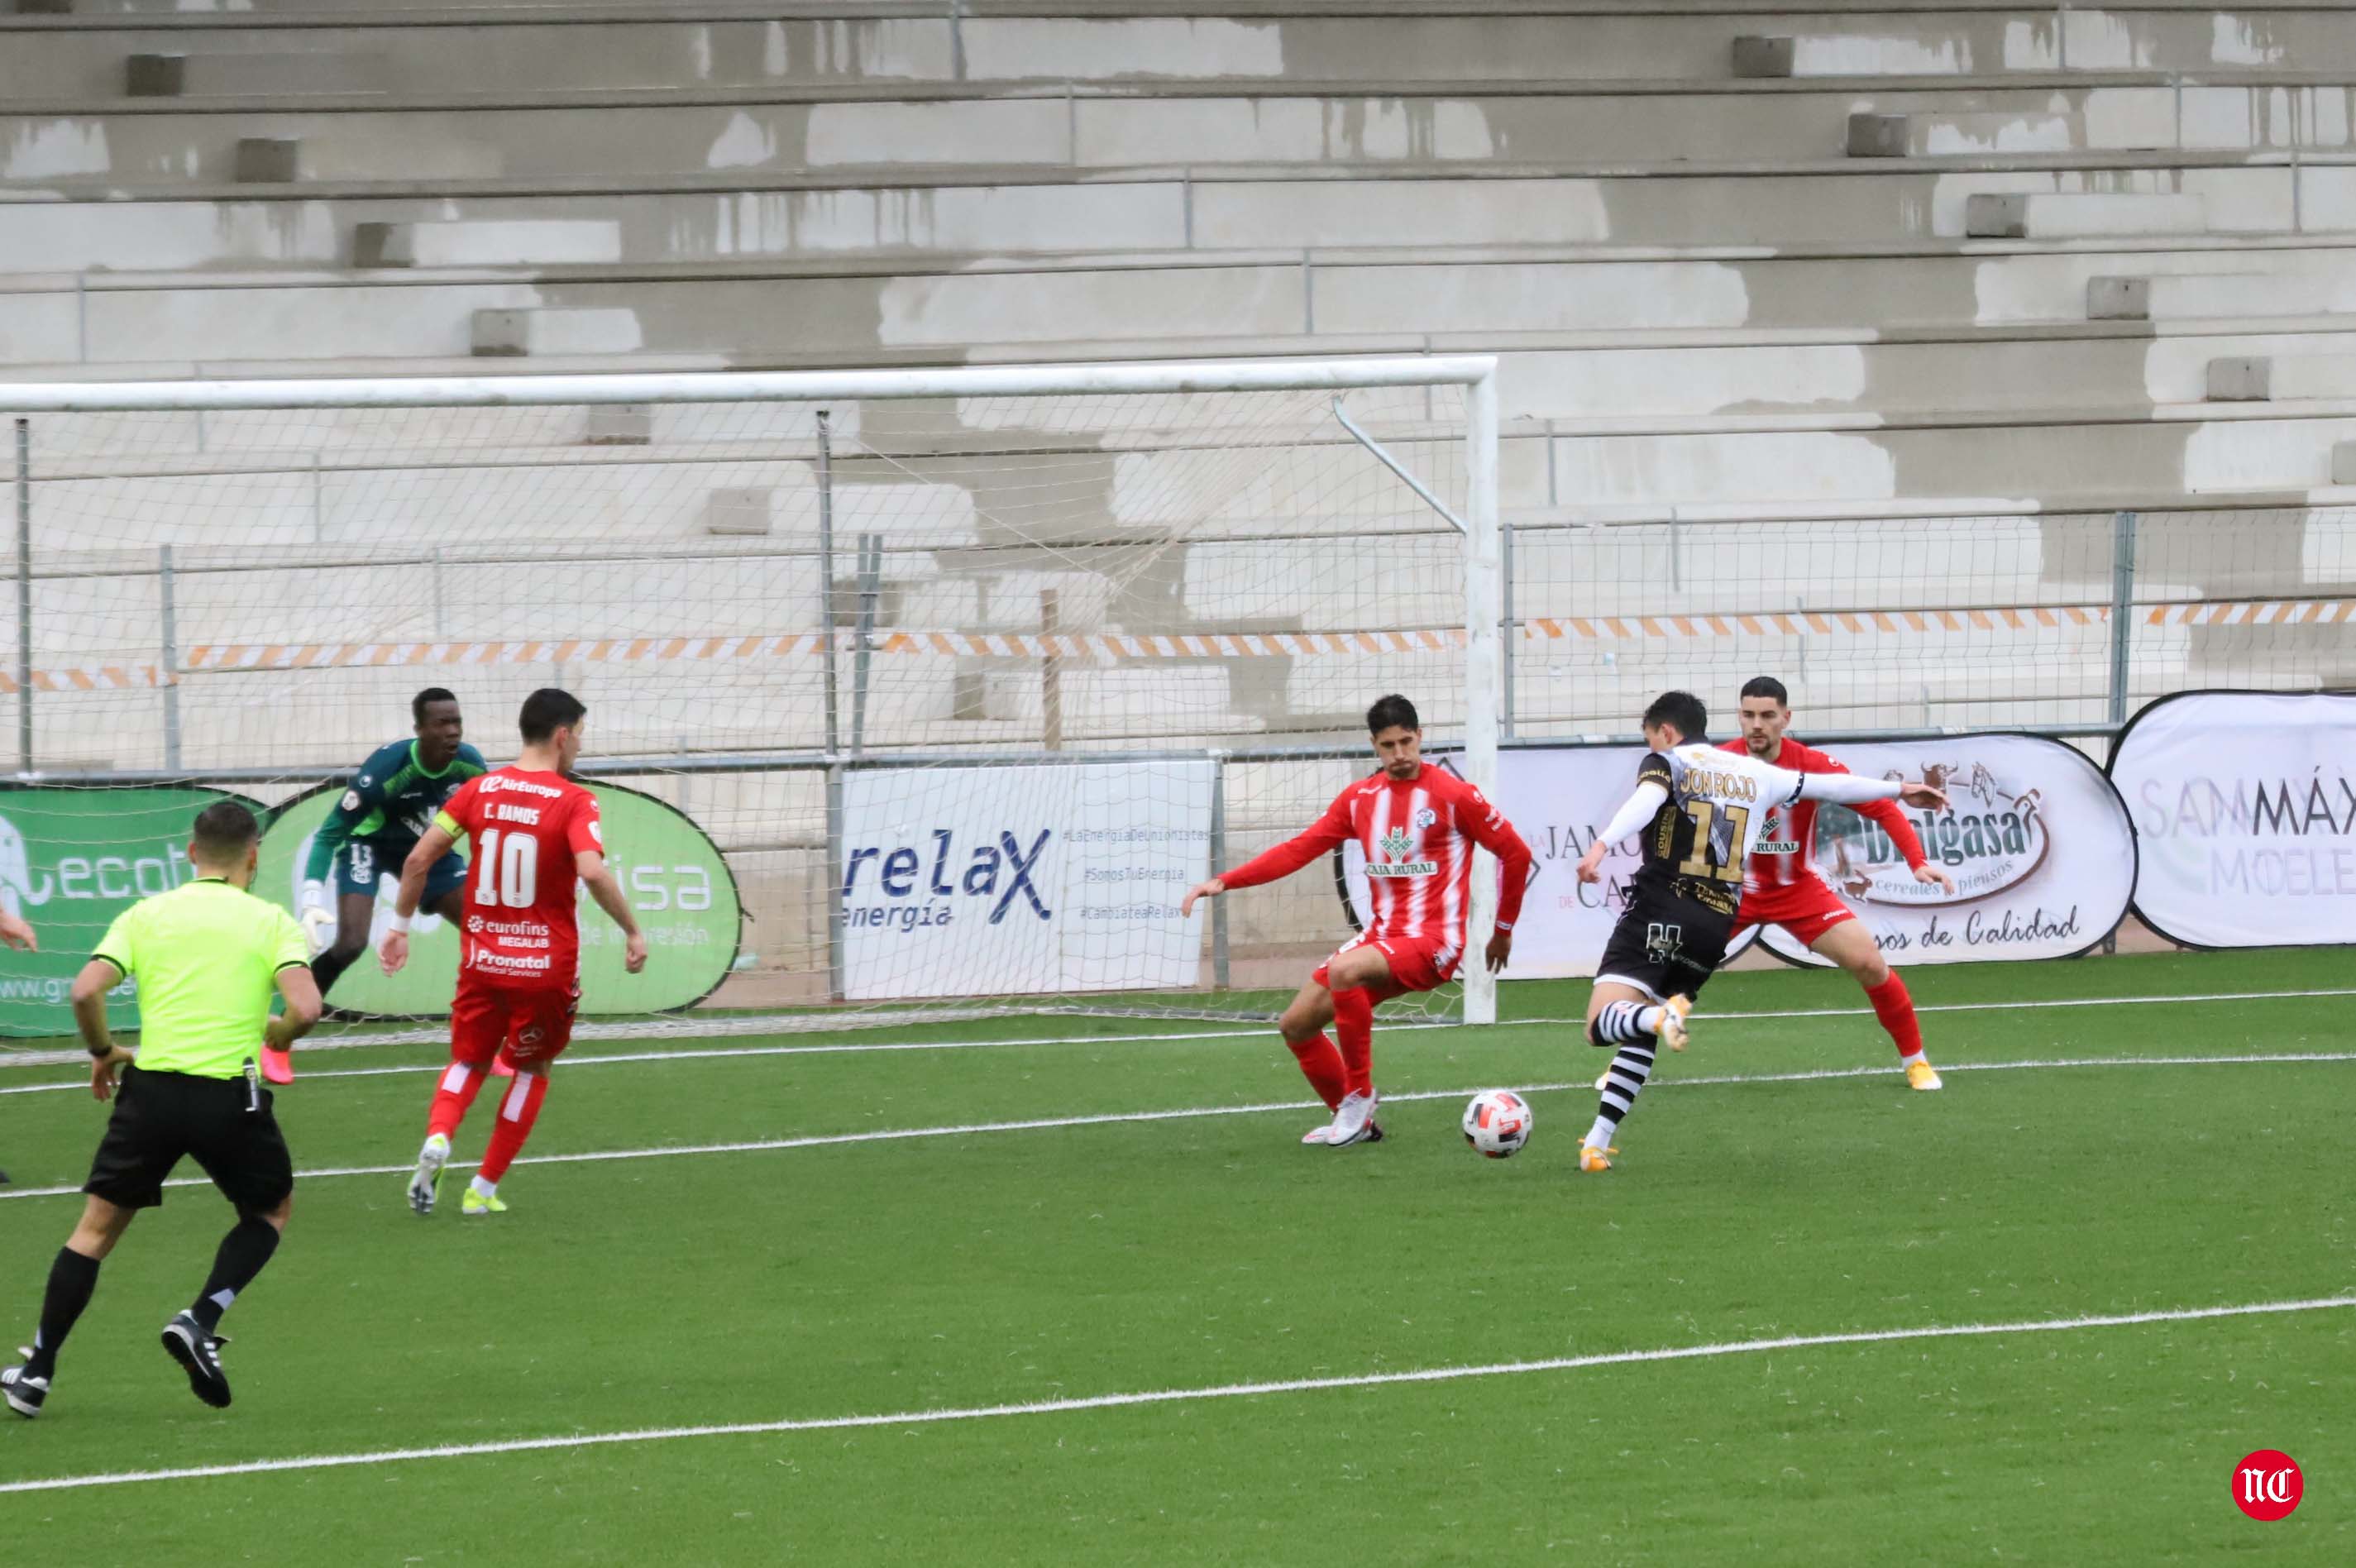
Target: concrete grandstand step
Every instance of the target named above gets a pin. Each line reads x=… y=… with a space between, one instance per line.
x=2223 y=118
x=2343 y=463
x=561 y=50
x=487 y=243
x=957 y=216
x=544 y=333
x=869 y=311
x=2286 y=377
x=1939 y=43
x=2058 y=215
x=2050 y=462
x=291 y=63
x=1013 y=125
x=2200 y=295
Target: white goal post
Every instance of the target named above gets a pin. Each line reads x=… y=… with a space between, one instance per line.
x=1157 y=589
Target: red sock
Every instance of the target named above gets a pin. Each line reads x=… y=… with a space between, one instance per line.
x=1896 y=1011
x=1354 y=1021
x=518 y=1109
x=459 y=1085
x=1320 y=1064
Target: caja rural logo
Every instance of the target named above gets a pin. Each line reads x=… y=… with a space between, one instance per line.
x=1991 y=837
x=916 y=895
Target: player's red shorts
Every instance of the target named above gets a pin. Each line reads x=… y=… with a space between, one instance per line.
x=1418 y=963
x=535 y=1025
x=1807 y=909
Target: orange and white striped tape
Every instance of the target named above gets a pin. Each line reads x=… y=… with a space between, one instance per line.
x=238 y=657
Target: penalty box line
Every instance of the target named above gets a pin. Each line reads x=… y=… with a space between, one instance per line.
x=1186 y=1113
x=1181 y=1396
x=854 y=1047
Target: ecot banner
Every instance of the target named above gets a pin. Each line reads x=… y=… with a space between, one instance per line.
x=2245 y=802
x=1023 y=879
x=2037 y=841
x=672 y=873
x=72 y=859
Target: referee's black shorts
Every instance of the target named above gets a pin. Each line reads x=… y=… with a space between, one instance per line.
x=161 y=1116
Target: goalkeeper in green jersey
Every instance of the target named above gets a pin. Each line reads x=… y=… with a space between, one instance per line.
x=385 y=810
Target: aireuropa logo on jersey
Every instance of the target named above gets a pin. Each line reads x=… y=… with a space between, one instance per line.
x=978 y=874
x=1991 y=836
x=72 y=859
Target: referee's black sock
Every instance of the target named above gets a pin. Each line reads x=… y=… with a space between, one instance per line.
x=71 y=1279
x=329 y=966
x=243 y=1252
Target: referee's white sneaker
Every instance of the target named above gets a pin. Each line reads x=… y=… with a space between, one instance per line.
x=23 y=1392
x=1353 y=1122
x=428 y=1179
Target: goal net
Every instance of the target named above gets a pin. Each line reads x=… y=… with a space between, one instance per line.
x=907 y=691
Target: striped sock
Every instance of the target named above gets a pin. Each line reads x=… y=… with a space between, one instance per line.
x=1621 y=1022
x=1630 y=1070
x=1629 y=1026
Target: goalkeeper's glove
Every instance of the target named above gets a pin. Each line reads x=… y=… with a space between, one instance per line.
x=318 y=918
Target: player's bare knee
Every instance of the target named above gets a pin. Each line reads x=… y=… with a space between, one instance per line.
x=1871 y=972
x=346 y=950
x=1298 y=1027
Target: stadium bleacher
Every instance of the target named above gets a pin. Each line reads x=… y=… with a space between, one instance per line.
x=1944 y=258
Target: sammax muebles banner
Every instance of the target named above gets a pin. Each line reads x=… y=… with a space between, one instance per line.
x=2245 y=806
x=1022 y=880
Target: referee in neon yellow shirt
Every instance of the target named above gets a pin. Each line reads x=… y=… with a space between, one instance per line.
x=207 y=956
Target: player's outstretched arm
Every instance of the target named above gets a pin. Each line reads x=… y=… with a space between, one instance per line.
x=431 y=848
x=1640 y=807
x=1274 y=865
x=1210 y=889
x=17 y=933
x=606 y=889
x=1849 y=790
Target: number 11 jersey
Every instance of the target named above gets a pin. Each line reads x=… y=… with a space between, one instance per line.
x=521 y=930
x=1697 y=843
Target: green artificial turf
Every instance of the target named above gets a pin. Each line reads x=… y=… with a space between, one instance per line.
x=1190 y=1252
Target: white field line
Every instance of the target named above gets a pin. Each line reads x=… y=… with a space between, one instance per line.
x=1187 y=1113
x=853 y=1047
x=1176 y=1396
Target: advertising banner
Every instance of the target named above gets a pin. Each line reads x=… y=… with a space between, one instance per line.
x=2246 y=804
x=72 y=859
x=2038 y=843
x=673 y=876
x=1022 y=880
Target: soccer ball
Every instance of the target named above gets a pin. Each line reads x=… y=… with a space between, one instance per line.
x=1497 y=1122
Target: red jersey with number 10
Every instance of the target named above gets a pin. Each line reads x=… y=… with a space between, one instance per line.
x=521 y=932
